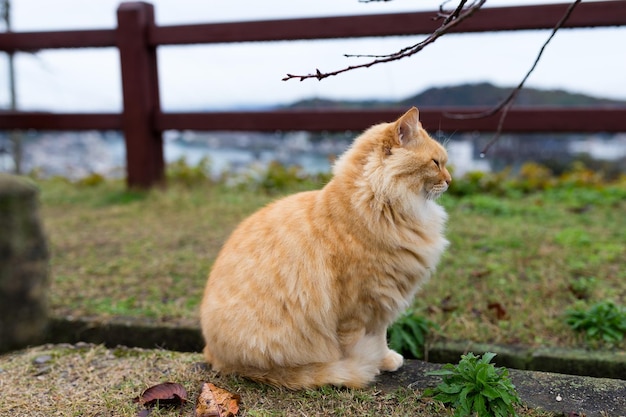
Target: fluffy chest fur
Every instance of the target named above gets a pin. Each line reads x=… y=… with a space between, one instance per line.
x=381 y=250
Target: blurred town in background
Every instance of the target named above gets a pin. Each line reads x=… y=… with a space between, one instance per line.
x=79 y=154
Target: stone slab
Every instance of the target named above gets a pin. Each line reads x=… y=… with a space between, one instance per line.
x=557 y=393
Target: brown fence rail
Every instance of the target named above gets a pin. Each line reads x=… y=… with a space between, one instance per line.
x=142 y=121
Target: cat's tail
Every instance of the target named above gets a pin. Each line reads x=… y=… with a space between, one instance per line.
x=355 y=371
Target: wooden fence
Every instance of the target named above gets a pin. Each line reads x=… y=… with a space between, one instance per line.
x=142 y=121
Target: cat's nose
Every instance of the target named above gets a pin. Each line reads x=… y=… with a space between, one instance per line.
x=448 y=180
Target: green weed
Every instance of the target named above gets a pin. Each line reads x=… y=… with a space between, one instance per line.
x=583 y=287
x=604 y=321
x=181 y=172
x=573 y=237
x=533 y=177
x=276 y=178
x=408 y=334
x=476 y=386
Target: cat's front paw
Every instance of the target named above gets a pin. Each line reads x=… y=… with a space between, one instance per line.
x=392 y=361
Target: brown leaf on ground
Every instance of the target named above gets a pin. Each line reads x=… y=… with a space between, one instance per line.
x=447 y=304
x=480 y=273
x=499 y=309
x=216 y=402
x=169 y=393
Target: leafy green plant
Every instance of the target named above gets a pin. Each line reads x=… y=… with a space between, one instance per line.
x=408 y=334
x=582 y=287
x=92 y=180
x=279 y=177
x=181 y=172
x=573 y=237
x=476 y=386
x=533 y=176
x=276 y=178
x=604 y=321
x=579 y=175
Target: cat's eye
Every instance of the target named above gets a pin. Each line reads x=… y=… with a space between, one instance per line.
x=436 y=162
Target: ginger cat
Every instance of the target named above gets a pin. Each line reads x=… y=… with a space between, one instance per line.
x=303 y=291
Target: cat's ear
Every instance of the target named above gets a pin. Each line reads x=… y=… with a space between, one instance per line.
x=407 y=125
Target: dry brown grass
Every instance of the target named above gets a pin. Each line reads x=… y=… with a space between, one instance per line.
x=90 y=380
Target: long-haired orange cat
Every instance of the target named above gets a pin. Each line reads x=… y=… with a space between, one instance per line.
x=303 y=291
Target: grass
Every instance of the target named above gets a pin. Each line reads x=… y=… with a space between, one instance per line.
x=509 y=273
x=516 y=262
x=125 y=253
x=90 y=380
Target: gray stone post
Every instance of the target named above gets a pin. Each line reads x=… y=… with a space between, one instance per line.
x=23 y=265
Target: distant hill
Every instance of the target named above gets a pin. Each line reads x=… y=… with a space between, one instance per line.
x=321 y=103
x=481 y=94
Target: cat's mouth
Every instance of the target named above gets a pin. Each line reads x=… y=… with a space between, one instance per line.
x=436 y=191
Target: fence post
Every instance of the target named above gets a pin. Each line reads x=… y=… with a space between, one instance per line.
x=145 y=165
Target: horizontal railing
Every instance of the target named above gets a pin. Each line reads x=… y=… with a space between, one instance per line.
x=518 y=120
x=142 y=121
x=495 y=19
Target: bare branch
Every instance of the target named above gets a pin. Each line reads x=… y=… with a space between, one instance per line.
x=451 y=20
x=506 y=104
x=451 y=16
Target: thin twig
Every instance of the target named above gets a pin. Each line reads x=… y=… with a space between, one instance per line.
x=441 y=15
x=448 y=18
x=506 y=104
x=452 y=20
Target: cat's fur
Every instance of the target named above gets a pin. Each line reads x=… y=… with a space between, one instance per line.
x=303 y=291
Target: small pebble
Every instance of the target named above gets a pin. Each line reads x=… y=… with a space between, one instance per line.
x=42 y=370
x=40 y=360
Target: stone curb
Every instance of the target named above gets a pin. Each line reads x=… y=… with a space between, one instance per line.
x=602 y=364
x=138 y=333
x=565 y=395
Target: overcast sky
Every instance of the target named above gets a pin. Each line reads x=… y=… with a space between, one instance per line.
x=589 y=61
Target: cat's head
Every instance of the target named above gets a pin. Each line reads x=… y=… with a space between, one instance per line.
x=397 y=161
x=413 y=158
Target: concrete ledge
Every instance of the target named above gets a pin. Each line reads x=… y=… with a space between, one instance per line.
x=143 y=333
x=604 y=364
x=560 y=394
x=128 y=332
x=581 y=395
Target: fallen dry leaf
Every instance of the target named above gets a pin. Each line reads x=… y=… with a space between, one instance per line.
x=447 y=304
x=499 y=309
x=480 y=273
x=216 y=402
x=167 y=393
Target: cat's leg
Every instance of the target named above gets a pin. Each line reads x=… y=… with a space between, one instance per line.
x=392 y=360
x=208 y=356
x=354 y=341
x=357 y=343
